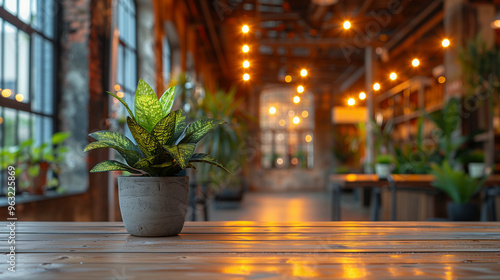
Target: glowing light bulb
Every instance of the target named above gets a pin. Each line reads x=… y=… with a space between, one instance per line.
x=245 y=48
x=362 y=96
x=272 y=110
x=305 y=114
x=441 y=80
x=445 y=43
x=351 y=102
x=303 y=72
x=117 y=87
x=246 y=64
x=282 y=122
x=393 y=76
x=347 y=25
x=246 y=77
x=120 y=94
x=300 y=89
x=6 y=92
x=296 y=120
x=296 y=99
x=308 y=138
x=245 y=29
x=19 y=97
x=415 y=62
x=376 y=86
x=288 y=78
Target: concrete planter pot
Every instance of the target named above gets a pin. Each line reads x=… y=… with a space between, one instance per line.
x=476 y=169
x=383 y=170
x=153 y=206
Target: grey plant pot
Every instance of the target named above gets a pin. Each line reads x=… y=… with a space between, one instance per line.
x=153 y=206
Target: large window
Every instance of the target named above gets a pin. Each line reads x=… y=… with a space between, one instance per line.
x=27 y=70
x=126 y=61
x=287 y=128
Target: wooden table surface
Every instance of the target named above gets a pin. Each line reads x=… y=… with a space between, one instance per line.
x=257 y=250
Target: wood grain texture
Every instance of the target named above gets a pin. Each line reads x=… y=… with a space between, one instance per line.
x=254 y=250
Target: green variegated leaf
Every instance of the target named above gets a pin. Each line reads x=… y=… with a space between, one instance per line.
x=130 y=156
x=146 y=141
x=121 y=141
x=124 y=104
x=167 y=100
x=164 y=130
x=148 y=110
x=180 y=124
x=181 y=153
x=197 y=130
x=206 y=158
x=113 y=165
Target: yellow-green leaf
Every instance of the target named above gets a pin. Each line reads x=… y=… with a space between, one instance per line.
x=181 y=153
x=164 y=130
x=199 y=129
x=124 y=104
x=130 y=156
x=113 y=165
x=206 y=158
x=146 y=141
x=180 y=123
x=148 y=110
x=167 y=100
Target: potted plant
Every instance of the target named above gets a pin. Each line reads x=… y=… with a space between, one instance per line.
x=34 y=163
x=475 y=164
x=460 y=187
x=153 y=200
x=383 y=165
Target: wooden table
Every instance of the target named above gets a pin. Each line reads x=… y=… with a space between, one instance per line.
x=394 y=182
x=255 y=250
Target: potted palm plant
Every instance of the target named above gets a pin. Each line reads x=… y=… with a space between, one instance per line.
x=460 y=187
x=153 y=200
x=383 y=165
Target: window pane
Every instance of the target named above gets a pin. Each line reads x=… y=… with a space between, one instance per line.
x=24 y=126
x=119 y=72
x=36 y=11
x=48 y=72
x=121 y=19
x=11 y=6
x=36 y=74
x=132 y=31
x=9 y=54
x=49 y=13
x=1 y=47
x=10 y=127
x=25 y=11
x=37 y=129
x=24 y=66
x=47 y=129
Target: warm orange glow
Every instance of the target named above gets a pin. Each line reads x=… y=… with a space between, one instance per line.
x=117 y=87
x=376 y=86
x=445 y=43
x=308 y=138
x=1 y=120
x=305 y=114
x=441 y=80
x=296 y=99
x=300 y=89
x=272 y=110
x=245 y=29
x=393 y=76
x=279 y=161
x=246 y=77
x=303 y=72
x=6 y=92
x=353 y=271
x=288 y=78
x=495 y=24
x=347 y=25
x=303 y=269
x=245 y=48
x=296 y=120
x=295 y=161
x=415 y=62
x=351 y=102
x=282 y=122
x=120 y=94
x=246 y=64
x=19 y=97
x=291 y=113
x=362 y=96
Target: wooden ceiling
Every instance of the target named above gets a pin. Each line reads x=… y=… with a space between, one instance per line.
x=287 y=35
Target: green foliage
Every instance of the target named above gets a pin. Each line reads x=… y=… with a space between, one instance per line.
x=459 y=186
x=165 y=143
x=474 y=156
x=384 y=159
x=382 y=136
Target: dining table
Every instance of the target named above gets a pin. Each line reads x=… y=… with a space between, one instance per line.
x=253 y=250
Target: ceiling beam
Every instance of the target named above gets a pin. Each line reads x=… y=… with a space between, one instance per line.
x=320 y=60
x=214 y=38
x=326 y=42
x=416 y=21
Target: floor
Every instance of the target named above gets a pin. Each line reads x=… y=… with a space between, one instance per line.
x=287 y=207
